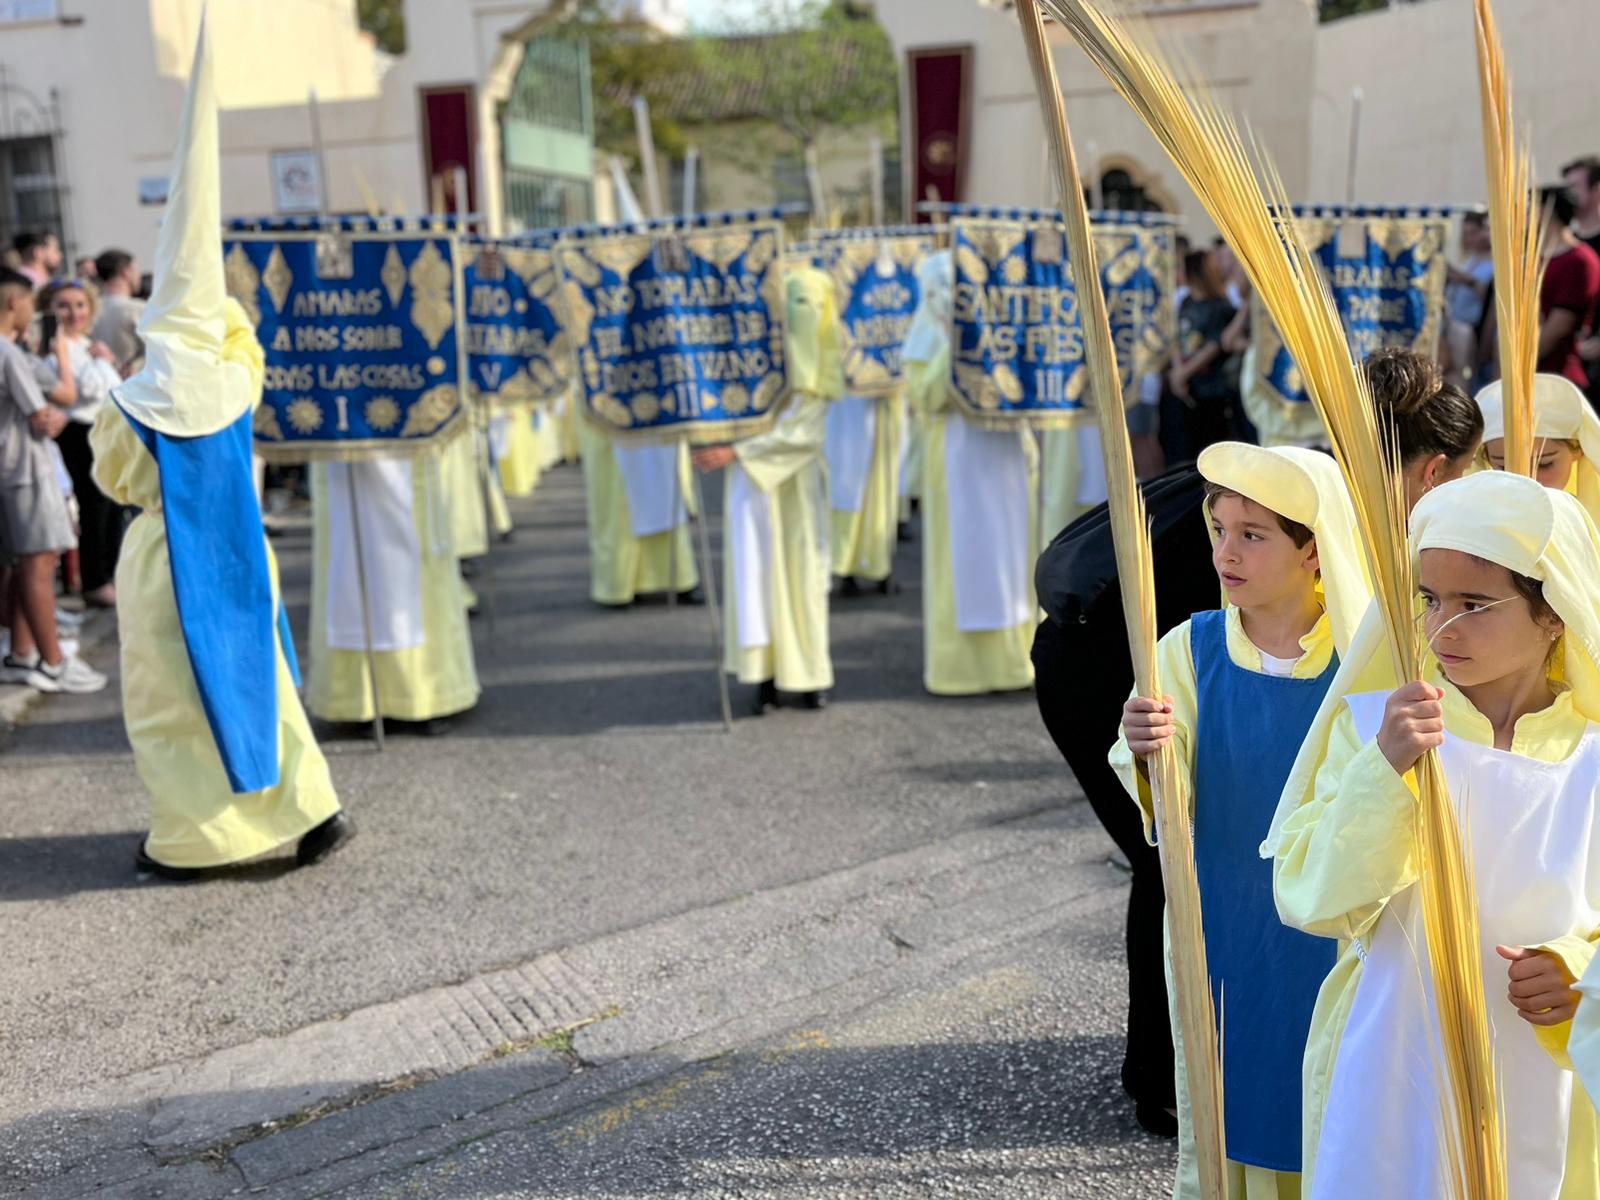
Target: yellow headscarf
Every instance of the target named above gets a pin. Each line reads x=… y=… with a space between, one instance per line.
x=1560 y=412
x=188 y=387
x=1504 y=518
x=814 y=336
x=1304 y=486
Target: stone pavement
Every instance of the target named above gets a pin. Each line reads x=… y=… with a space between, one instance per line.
x=587 y=945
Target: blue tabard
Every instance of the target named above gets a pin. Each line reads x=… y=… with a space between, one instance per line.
x=223 y=589
x=1264 y=975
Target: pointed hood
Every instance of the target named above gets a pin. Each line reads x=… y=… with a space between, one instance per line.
x=185 y=388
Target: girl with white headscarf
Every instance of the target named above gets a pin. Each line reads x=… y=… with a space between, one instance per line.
x=1507 y=571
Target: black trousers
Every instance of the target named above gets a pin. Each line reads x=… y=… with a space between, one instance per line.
x=100 y=519
x=1083 y=675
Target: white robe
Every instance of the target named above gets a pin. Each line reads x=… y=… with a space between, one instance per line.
x=391 y=553
x=991 y=553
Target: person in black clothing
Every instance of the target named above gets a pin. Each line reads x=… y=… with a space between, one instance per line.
x=1199 y=380
x=1084 y=672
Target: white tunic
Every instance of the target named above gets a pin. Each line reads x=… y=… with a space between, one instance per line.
x=1536 y=861
x=986 y=473
x=391 y=555
x=852 y=422
x=655 y=495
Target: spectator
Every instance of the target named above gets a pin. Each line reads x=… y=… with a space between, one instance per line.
x=1569 y=293
x=78 y=376
x=1582 y=178
x=85 y=270
x=120 y=309
x=1465 y=293
x=1206 y=403
x=34 y=527
x=38 y=255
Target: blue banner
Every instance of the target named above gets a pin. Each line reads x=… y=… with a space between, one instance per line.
x=517 y=350
x=1017 y=348
x=875 y=279
x=1387 y=275
x=679 y=332
x=362 y=339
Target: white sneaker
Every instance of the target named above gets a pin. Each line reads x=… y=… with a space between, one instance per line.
x=17 y=670
x=71 y=674
x=68 y=620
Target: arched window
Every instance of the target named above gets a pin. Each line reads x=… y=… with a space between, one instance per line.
x=1119 y=191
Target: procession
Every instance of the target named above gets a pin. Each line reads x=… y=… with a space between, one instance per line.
x=837 y=599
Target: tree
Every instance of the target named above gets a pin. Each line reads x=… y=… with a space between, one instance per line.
x=385 y=20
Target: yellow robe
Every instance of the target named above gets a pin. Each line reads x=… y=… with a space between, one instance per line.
x=621 y=566
x=787 y=466
x=1366 y=810
x=195 y=819
x=463 y=490
x=437 y=678
x=522 y=465
x=1175 y=660
x=957 y=663
x=1061 y=471
x=863 y=541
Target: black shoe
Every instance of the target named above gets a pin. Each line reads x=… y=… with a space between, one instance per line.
x=694 y=596
x=848 y=586
x=814 y=700
x=766 y=697
x=902 y=531
x=888 y=587
x=324 y=840
x=1154 y=1119
x=146 y=865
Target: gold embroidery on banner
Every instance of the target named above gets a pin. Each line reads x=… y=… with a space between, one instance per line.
x=767 y=392
x=577 y=264
x=305 y=414
x=612 y=410
x=1015 y=271
x=579 y=312
x=277 y=277
x=432 y=410
x=721 y=249
x=243 y=281
x=265 y=423
x=431 y=280
x=645 y=408
x=382 y=413
x=620 y=255
x=972 y=265
x=1005 y=379
x=763 y=249
x=735 y=399
x=393 y=276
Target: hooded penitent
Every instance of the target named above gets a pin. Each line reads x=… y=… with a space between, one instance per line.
x=191 y=407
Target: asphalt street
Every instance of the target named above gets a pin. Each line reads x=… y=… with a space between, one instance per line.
x=588 y=943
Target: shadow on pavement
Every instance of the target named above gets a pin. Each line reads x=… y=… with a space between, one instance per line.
x=767 y=1119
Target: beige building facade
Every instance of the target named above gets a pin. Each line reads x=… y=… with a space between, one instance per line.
x=1418 y=136
x=90 y=94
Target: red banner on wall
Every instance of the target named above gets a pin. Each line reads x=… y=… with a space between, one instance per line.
x=939 y=80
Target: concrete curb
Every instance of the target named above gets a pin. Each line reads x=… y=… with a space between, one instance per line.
x=17 y=701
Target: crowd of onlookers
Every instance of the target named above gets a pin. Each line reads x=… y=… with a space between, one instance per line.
x=65 y=341
x=1200 y=399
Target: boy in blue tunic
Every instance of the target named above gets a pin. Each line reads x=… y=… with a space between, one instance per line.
x=1244 y=683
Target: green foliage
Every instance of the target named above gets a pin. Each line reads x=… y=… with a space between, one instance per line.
x=1332 y=10
x=385 y=20
x=804 y=89
x=801 y=88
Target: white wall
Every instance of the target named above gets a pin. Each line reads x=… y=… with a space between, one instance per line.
x=1421 y=132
